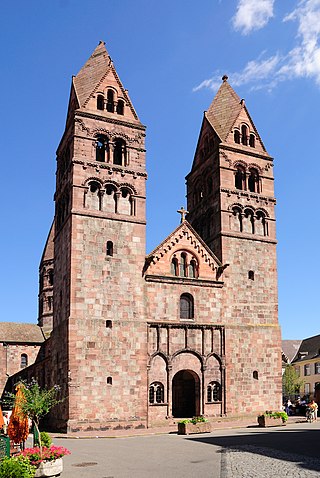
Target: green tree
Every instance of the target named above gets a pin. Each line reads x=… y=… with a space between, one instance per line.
x=291 y=382
x=36 y=402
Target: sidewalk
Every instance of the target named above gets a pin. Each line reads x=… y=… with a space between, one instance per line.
x=218 y=424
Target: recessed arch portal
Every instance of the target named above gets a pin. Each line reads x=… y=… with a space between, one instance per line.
x=185 y=394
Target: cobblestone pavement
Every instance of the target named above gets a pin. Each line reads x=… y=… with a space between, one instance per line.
x=251 y=461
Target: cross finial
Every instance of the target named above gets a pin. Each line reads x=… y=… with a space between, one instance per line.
x=183 y=213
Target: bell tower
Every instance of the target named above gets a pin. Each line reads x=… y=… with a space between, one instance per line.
x=99 y=246
x=231 y=204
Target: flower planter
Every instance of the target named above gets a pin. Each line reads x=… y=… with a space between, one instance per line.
x=49 y=468
x=265 y=421
x=188 y=428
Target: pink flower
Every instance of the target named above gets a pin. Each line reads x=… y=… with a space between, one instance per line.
x=48 y=454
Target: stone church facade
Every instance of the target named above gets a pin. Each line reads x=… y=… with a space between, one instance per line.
x=190 y=329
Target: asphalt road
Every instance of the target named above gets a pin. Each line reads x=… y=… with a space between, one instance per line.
x=291 y=451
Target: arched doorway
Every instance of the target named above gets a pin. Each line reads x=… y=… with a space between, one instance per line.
x=185 y=394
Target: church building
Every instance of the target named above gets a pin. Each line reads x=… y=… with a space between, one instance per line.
x=138 y=340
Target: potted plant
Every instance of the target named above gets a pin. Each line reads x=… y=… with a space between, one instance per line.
x=272 y=419
x=48 y=460
x=34 y=403
x=194 y=425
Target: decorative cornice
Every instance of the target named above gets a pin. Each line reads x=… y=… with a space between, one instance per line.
x=86 y=114
x=183 y=281
x=109 y=168
x=185 y=325
x=246 y=237
x=246 y=194
x=109 y=216
x=249 y=152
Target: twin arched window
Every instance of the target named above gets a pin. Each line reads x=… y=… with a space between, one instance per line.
x=186 y=307
x=110 y=103
x=252 y=182
x=214 y=392
x=156 y=393
x=105 y=150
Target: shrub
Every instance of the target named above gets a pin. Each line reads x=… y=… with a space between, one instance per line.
x=16 y=467
x=45 y=439
x=194 y=420
x=271 y=414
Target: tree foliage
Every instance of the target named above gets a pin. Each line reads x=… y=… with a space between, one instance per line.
x=36 y=402
x=291 y=381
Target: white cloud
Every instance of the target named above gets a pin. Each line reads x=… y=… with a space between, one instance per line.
x=252 y=15
x=302 y=61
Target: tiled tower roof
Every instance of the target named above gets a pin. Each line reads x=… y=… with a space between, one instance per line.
x=224 y=109
x=92 y=73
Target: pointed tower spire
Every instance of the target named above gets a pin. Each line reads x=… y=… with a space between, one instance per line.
x=92 y=73
x=224 y=109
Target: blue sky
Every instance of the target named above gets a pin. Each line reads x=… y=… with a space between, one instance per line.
x=170 y=55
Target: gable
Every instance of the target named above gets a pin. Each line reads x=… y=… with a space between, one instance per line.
x=183 y=244
x=244 y=119
x=207 y=144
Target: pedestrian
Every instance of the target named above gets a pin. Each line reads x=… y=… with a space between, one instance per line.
x=6 y=423
x=314 y=410
x=288 y=405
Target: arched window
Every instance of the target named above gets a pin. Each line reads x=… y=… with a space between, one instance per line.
x=248 y=221
x=214 y=392
x=50 y=276
x=186 y=306
x=244 y=135
x=183 y=265
x=240 y=178
x=100 y=102
x=252 y=140
x=255 y=375
x=125 y=202
x=261 y=227
x=24 y=360
x=109 y=380
x=193 y=269
x=102 y=147
x=109 y=248
x=253 y=181
x=156 y=393
x=251 y=275
x=108 y=324
x=110 y=101
x=236 y=219
x=120 y=107
x=236 y=136
x=50 y=302
x=119 y=152
x=174 y=267
x=93 y=197
x=109 y=199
